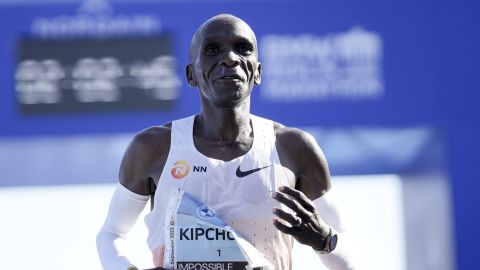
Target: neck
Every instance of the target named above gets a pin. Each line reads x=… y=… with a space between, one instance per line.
x=225 y=124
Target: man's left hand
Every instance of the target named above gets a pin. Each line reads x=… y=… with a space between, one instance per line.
x=306 y=227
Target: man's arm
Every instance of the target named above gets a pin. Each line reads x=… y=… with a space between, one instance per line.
x=144 y=159
x=316 y=216
x=142 y=162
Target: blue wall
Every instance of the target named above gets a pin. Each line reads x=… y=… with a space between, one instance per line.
x=428 y=65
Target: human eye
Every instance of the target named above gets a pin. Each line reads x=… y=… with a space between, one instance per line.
x=211 y=49
x=245 y=48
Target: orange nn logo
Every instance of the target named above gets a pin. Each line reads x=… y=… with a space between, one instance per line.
x=180 y=169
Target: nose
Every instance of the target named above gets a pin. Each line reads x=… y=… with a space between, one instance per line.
x=230 y=59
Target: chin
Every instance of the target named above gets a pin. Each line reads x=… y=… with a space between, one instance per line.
x=232 y=100
x=229 y=95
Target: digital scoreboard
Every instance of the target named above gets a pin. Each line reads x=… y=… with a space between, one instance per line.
x=85 y=75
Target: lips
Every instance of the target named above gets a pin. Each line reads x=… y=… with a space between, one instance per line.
x=230 y=77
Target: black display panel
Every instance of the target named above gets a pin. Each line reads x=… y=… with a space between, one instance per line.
x=85 y=75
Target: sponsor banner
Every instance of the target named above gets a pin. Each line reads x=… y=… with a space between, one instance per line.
x=93 y=59
x=337 y=66
x=322 y=64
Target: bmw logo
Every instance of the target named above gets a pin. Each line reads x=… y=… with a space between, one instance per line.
x=205 y=212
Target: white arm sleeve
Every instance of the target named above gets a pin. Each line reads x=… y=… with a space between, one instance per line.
x=125 y=207
x=329 y=210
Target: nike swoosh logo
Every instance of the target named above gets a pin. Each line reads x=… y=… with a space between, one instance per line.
x=239 y=173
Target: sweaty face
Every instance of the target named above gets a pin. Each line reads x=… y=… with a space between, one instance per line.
x=225 y=66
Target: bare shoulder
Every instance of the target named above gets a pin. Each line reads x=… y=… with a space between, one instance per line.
x=299 y=151
x=144 y=158
x=286 y=134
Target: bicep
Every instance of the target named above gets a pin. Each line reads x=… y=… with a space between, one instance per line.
x=133 y=170
x=300 y=153
x=143 y=161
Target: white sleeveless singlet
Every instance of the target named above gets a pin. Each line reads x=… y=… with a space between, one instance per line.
x=242 y=202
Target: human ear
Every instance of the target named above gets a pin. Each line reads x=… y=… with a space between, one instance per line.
x=190 y=76
x=258 y=74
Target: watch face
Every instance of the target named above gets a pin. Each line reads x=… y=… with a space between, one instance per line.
x=333 y=242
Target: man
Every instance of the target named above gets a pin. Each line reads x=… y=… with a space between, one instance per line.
x=267 y=181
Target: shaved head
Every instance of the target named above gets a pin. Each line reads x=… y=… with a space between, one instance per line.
x=221 y=18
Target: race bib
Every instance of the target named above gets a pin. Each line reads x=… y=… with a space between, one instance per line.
x=198 y=240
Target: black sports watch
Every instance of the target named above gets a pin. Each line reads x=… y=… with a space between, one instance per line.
x=330 y=242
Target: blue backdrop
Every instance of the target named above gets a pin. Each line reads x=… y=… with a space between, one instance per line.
x=419 y=68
